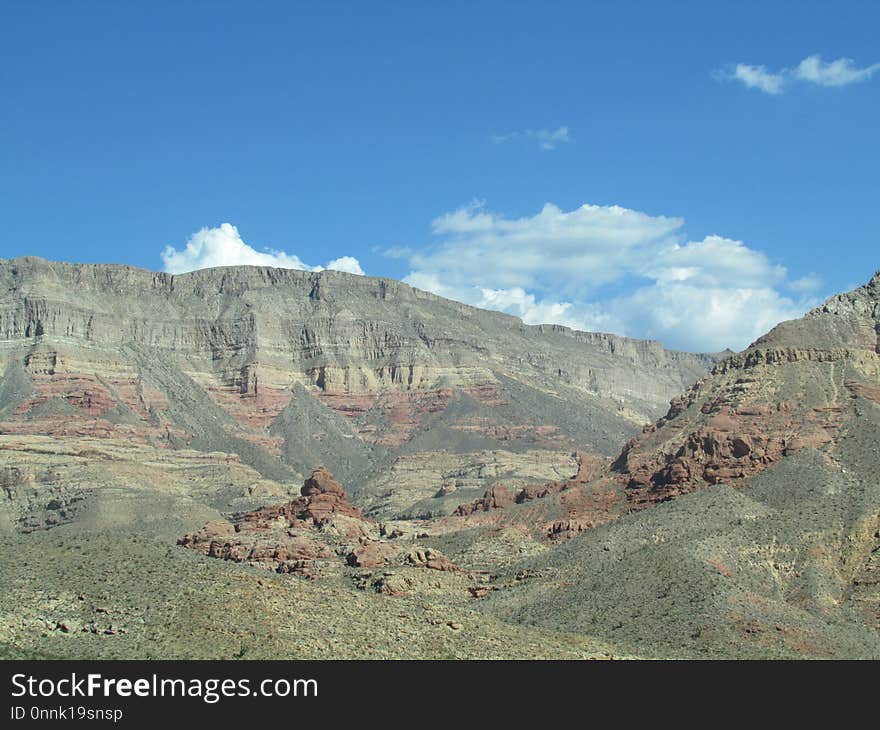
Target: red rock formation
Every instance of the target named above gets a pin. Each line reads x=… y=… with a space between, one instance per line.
x=734 y=444
x=488 y=394
x=586 y=505
x=590 y=467
x=212 y=531
x=402 y=410
x=567 y=529
x=322 y=482
x=256 y=536
x=322 y=499
x=283 y=537
x=379 y=554
x=295 y=553
x=253 y=407
x=431 y=559
x=373 y=554
x=496 y=497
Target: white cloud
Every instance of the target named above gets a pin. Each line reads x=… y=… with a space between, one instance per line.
x=808 y=283
x=547 y=139
x=344 y=263
x=223 y=246
x=704 y=318
x=709 y=263
x=522 y=303
x=812 y=69
x=841 y=72
x=556 y=267
x=394 y=252
x=593 y=240
x=758 y=77
x=519 y=302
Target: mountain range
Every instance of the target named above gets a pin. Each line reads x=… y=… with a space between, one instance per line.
x=322 y=464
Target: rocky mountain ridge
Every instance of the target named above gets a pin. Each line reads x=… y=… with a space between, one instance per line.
x=764 y=403
x=487 y=508
x=286 y=370
x=748 y=517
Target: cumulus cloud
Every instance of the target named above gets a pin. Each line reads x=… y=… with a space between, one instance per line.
x=707 y=319
x=609 y=268
x=223 y=246
x=710 y=262
x=594 y=240
x=348 y=264
x=547 y=139
x=812 y=70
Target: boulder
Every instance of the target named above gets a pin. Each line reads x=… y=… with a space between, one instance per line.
x=373 y=554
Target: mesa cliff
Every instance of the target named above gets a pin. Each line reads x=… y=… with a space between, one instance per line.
x=396 y=390
x=476 y=487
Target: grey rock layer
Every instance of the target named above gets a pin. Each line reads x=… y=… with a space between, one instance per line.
x=289 y=369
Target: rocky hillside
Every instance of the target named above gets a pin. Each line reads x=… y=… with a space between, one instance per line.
x=793 y=388
x=494 y=494
x=746 y=520
x=255 y=376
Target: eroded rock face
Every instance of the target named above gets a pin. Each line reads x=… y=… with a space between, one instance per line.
x=496 y=497
x=213 y=531
x=301 y=317
x=430 y=558
x=792 y=389
x=501 y=496
x=373 y=554
x=285 y=370
x=726 y=437
x=294 y=552
x=323 y=500
x=322 y=482
x=289 y=537
x=318 y=526
x=767 y=471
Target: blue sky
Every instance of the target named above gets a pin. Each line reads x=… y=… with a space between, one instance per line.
x=684 y=171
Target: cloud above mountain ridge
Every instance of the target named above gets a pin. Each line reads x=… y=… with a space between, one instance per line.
x=223 y=246
x=595 y=268
x=613 y=269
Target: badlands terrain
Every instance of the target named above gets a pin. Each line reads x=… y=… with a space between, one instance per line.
x=267 y=463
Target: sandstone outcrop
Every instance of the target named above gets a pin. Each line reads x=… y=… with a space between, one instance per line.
x=496 y=497
x=323 y=500
x=317 y=526
x=792 y=389
x=431 y=559
x=373 y=554
x=288 y=537
x=500 y=496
